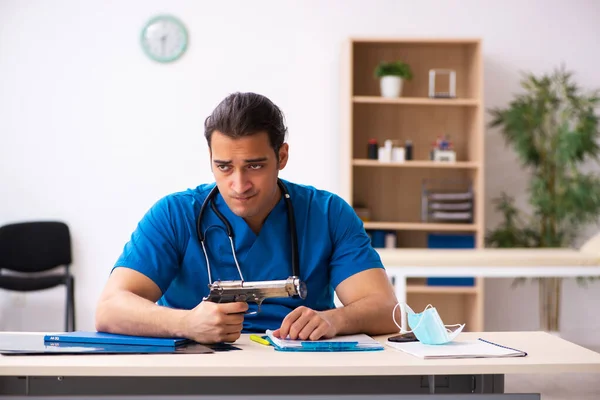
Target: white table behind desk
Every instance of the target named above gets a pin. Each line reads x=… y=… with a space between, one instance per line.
x=402 y=264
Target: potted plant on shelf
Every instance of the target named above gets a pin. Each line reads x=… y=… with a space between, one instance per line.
x=391 y=76
x=553 y=129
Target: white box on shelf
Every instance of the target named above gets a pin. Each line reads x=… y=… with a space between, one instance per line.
x=398 y=154
x=444 y=155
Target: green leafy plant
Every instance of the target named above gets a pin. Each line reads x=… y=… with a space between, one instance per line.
x=395 y=68
x=553 y=129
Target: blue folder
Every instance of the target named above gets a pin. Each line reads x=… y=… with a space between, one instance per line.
x=112 y=338
x=60 y=348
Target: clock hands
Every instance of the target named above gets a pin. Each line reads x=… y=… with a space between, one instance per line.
x=163 y=39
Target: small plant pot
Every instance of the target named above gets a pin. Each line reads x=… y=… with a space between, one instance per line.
x=391 y=86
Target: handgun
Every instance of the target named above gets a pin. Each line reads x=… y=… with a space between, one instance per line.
x=255 y=292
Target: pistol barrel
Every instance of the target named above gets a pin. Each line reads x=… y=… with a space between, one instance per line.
x=257 y=291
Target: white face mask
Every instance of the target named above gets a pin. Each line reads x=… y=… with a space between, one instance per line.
x=427 y=325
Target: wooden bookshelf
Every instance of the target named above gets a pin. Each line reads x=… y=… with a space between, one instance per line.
x=391 y=191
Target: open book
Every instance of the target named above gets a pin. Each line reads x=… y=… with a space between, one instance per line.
x=359 y=342
x=467 y=349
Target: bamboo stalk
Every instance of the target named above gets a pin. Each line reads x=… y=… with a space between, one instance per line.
x=543 y=305
x=550 y=297
x=557 y=304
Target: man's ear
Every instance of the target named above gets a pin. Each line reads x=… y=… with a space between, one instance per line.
x=210 y=158
x=283 y=155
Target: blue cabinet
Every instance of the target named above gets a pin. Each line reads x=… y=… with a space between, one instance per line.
x=450 y=241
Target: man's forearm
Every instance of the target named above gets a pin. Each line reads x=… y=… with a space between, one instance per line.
x=129 y=314
x=371 y=315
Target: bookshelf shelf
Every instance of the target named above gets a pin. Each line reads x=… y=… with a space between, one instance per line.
x=420 y=226
x=442 y=289
x=416 y=164
x=424 y=101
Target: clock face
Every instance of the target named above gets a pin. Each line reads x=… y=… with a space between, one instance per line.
x=164 y=38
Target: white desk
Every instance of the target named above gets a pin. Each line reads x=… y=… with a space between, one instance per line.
x=262 y=371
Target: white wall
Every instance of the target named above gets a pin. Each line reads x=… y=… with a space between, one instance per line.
x=92 y=132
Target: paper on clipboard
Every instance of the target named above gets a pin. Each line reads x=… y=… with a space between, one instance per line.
x=458 y=349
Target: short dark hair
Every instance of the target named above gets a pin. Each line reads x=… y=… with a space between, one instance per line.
x=245 y=114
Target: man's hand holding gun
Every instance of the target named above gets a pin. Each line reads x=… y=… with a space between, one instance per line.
x=220 y=316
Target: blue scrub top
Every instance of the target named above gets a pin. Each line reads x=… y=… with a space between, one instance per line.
x=332 y=243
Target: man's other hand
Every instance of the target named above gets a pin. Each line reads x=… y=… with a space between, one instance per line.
x=306 y=324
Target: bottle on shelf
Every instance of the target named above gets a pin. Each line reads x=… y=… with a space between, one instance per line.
x=385 y=152
x=390 y=240
x=397 y=151
x=373 y=150
x=408 y=150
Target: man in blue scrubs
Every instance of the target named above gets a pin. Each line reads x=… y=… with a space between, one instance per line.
x=157 y=285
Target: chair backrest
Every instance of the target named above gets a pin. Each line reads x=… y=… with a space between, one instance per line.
x=34 y=246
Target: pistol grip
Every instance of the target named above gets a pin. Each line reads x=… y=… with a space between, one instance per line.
x=215 y=298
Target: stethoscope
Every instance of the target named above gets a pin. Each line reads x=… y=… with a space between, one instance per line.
x=229 y=229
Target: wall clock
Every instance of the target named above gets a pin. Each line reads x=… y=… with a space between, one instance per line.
x=164 y=38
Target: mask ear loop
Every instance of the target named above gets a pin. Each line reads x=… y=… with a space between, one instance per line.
x=402 y=331
x=450 y=331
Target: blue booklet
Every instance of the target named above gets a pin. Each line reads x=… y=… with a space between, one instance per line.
x=360 y=342
x=112 y=338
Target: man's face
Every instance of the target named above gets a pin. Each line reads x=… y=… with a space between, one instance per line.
x=246 y=171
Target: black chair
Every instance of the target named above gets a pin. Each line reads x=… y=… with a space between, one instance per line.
x=32 y=250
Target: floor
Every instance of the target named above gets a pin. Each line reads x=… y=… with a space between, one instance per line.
x=556 y=386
